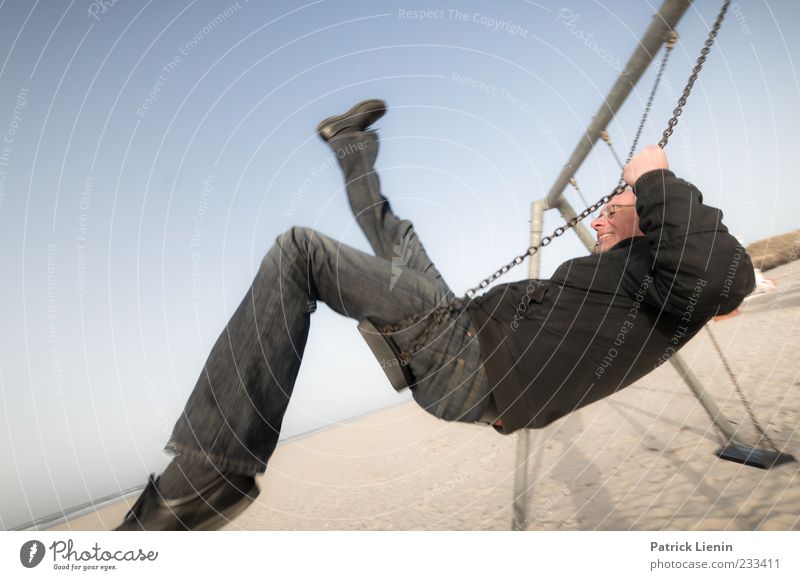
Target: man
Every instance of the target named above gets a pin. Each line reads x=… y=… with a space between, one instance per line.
x=663 y=266
x=522 y=355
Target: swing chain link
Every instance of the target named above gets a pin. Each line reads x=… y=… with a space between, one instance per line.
x=546 y=240
x=693 y=77
x=761 y=431
x=672 y=38
x=440 y=314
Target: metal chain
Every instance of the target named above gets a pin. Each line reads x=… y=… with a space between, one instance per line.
x=670 y=44
x=739 y=392
x=443 y=313
x=693 y=77
x=671 y=40
x=559 y=231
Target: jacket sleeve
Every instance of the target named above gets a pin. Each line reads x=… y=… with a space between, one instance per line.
x=698 y=268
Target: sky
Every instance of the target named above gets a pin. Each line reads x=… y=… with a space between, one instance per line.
x=151 y=152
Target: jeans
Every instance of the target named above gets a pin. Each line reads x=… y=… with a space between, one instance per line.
x=233 y=416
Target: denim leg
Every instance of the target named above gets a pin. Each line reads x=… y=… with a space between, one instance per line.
x=395 y=239
x=234 y=415
x=391 y=237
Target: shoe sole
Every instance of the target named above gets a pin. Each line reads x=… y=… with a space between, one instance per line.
x=371 y=110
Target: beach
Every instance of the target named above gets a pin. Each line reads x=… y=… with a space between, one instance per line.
x=642 y=459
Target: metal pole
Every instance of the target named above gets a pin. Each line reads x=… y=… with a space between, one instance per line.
x=520 y=516
x=663 y=22
x=725 y=426
x=567 y=212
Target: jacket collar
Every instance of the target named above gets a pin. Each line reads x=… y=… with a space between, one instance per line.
x=626 y=243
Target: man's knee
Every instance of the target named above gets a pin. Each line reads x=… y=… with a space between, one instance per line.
x=296 y=238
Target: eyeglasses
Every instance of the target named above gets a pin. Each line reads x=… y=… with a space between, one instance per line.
x=611 y=210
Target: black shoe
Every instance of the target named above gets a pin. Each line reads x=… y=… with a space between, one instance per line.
x=210 y=508
x=358 y=118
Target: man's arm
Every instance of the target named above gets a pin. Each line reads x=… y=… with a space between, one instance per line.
x=699 y=269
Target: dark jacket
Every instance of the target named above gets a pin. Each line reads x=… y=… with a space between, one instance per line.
x=603 y=321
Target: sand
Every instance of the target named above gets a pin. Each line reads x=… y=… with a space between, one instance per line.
x=643 y=459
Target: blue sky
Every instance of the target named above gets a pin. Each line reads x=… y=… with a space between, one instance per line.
x=152 y=152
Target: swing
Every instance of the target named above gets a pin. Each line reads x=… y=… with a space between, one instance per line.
x=396 y=363
x=731 y=450
x=736 y=452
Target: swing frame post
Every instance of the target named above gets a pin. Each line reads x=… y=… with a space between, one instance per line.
x=521 y=485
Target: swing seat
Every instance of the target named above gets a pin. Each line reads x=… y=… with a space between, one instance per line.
x=754 y=457
x=387 y=353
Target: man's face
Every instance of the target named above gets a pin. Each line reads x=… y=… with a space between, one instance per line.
x=617 y=221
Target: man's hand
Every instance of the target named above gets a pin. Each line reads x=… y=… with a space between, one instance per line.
x=648 y=159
